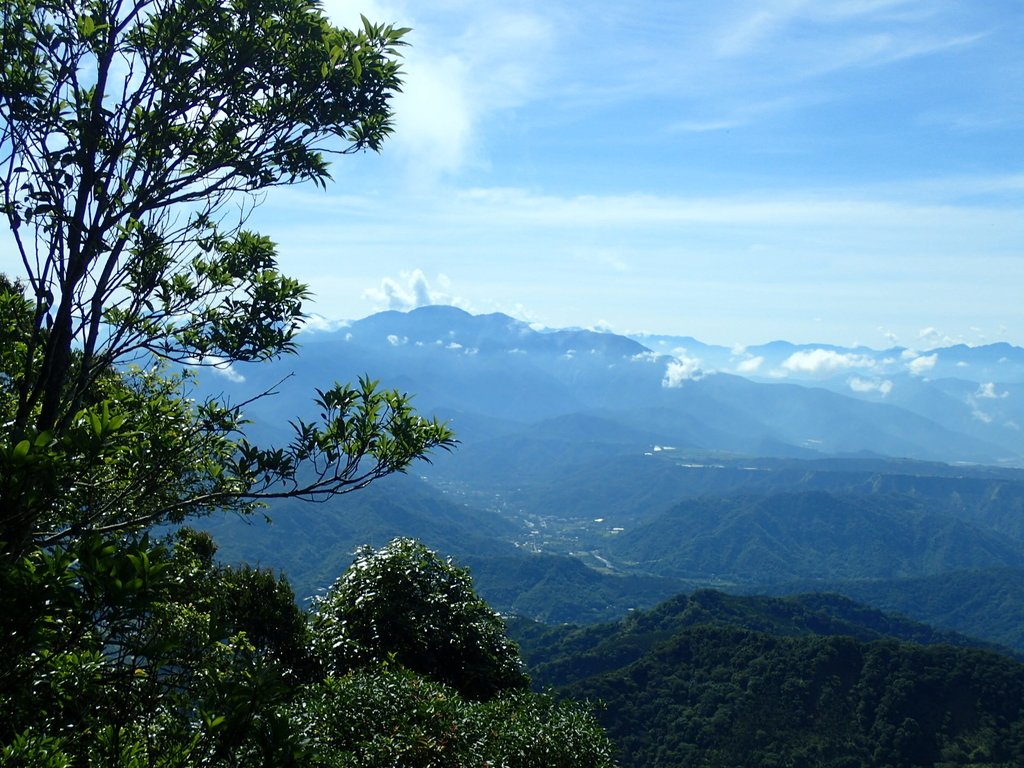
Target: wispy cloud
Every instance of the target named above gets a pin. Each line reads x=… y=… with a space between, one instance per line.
x=749 y=33
x=817 y=38
x=881 y=386
x=750 y=365
x=987 y=391
x=919 y=366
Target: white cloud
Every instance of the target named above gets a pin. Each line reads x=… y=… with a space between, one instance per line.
x=315 y=323
x=459 y=71
x=823 y=361
x=647 y=357
x=750 y=365
x=988 y=392
x=921 y=365
x=434 y=115
x=932 y=338
x=411 y=290
x=229 y=372
x=981 y=416
x=682 y=368
x=883 y=387
x=219 y=366
x=397 y=341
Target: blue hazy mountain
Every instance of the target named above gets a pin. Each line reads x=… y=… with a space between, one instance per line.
x=505 y=380
x=598 y=473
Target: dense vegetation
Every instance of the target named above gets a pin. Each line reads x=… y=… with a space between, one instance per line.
x=715 y=680
x=779 y=537
x=931 y=552
x=983 y=602
x=131 y=135
x=155 y=655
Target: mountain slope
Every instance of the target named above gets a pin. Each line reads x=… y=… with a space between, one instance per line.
x=808 y=535
x=987 y=602
x=497 y=368
x=713 y=680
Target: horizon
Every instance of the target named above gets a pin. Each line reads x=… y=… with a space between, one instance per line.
x=846 y=173
x=319 y=324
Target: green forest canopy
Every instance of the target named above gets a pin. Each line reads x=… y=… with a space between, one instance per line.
x=127 y=129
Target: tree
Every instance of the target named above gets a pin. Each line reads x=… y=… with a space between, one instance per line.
x=135 y=137
x=420 y=672
x=389 y=716
x=135 y=651
x=403 y=602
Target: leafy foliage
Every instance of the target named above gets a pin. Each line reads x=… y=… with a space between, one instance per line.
x=405 y=603
x=130 y=134
x=137 y=648
x=384 y=716
x=714 y=680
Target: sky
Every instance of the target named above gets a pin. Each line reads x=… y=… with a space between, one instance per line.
x=835 y=171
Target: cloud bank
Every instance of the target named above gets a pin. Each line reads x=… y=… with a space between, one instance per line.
x=824 y=361
x=919 y=366
x=410 y=291
x=864 y=386
x=682 y=368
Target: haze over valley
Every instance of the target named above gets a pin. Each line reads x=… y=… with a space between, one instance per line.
x=651 y=513
x=596 y=474
x=681 y=426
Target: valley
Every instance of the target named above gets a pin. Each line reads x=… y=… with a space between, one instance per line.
x=600 y=486
x=800 y=540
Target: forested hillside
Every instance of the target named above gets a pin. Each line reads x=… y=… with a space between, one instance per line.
x=935 y=542
x=135 y=139
x=714 y=680
x=182 y=440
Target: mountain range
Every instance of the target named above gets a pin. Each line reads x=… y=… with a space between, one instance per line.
x=496 y=377
x=599 y=473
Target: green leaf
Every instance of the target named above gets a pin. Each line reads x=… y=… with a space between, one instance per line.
x=20 y=451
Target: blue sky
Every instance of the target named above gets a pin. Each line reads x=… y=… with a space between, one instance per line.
x=843 y=171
